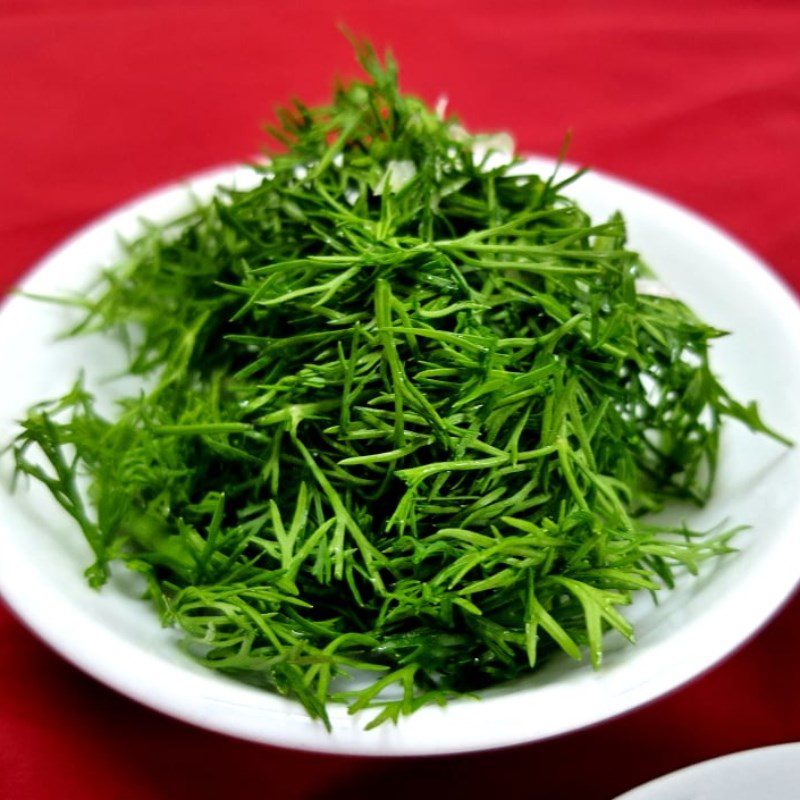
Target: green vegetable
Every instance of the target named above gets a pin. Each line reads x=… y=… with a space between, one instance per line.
x=407 y=410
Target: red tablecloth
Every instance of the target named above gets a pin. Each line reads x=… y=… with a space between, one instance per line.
x=99 y=101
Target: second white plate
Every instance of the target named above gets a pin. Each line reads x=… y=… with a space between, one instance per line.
x=769 y=773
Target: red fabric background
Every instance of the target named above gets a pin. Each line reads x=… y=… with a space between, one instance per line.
x=100 y=101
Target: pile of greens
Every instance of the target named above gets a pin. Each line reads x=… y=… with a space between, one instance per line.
x=407 y=410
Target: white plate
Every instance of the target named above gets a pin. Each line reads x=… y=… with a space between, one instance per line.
x=115 y=637
x=770 y=773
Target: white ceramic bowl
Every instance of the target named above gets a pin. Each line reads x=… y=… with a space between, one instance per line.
x=116 y=637
x=769 y=773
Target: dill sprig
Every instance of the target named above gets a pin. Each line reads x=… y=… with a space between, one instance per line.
x=408 y=410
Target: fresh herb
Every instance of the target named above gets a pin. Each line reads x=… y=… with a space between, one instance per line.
x=407 y=411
